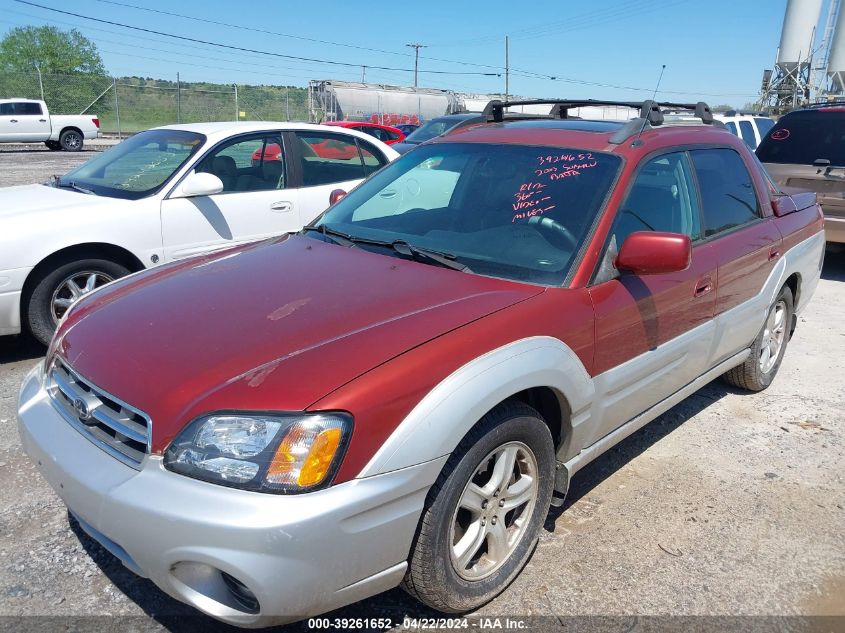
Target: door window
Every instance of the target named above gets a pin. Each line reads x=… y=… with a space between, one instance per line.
x=727 y=191
x=20 y=108
x=732 y=128
x=332 y=158
x=662 y=198
x=255 y=163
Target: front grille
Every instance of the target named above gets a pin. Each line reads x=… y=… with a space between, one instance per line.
x=114 y=426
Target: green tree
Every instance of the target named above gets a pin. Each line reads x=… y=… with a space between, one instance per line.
x=51 y=49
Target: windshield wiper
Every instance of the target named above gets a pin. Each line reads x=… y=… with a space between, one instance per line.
x=341 y=238
x=447 y=260
x=72 y=185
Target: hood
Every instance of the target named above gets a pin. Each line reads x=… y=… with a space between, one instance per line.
x=20 y=203
x=275 y=326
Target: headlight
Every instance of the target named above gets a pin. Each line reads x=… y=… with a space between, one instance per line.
x=280 y=453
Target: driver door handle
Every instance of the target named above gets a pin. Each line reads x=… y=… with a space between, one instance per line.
x=282 y=206
x=703 y=286
x=13 y=121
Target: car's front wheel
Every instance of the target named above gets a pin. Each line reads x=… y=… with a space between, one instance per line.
x=484 y=514
x=767 y=351
x=57 y=289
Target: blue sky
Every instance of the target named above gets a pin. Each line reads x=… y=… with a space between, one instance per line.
x=715 y=51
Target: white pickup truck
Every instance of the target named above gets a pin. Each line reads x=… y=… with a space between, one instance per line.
x=29 y=121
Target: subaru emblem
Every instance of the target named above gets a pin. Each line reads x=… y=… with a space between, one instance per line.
x=81 y=408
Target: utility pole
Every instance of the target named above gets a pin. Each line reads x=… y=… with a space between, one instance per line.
x=40 y=82
x=416 y=47
x=363 y=74
x=178 y=99
x=237 y=105
x=507 y=68
x=116 y=107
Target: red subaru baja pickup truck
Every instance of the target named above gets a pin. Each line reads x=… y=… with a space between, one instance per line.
x=397 y=393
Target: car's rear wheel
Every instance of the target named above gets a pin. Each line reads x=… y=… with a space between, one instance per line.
x=483 y=515
x=57 y=289
x=762 y=365
x=71 y=141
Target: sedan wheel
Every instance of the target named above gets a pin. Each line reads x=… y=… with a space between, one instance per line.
x=54 y=288
x=74 y=288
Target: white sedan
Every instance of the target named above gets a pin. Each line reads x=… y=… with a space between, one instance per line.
x=162 y=195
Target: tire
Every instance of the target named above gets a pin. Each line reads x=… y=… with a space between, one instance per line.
x=71 y=140
x=56 y=284
x=436 y=574
x=53 y=145
x=762 y=365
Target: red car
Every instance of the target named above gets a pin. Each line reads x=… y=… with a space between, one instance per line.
x=397 y=394
x=384 y=133
x=339 y=151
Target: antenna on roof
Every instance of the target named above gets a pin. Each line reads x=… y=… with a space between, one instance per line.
x=653 y=97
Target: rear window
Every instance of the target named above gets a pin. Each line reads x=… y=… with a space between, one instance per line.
x=802 y=137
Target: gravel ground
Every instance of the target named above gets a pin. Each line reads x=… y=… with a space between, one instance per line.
x=730 y=504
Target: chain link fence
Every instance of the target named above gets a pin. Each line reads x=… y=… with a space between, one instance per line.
x=130 y=104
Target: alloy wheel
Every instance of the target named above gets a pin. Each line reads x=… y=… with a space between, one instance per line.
x=494 y=511
x=73 y=288
x=774 y=334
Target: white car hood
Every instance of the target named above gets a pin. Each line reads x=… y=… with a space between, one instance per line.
x=26 y=200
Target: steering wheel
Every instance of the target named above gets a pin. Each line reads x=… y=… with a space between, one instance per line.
x=555 y=230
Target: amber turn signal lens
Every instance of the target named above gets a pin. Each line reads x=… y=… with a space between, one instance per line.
x=304 y=456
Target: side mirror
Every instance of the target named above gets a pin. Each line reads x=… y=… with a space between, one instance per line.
x=199 y=183
x=653 y=253
x=337 y=194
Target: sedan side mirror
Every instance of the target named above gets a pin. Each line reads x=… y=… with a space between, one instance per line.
x=654 y=253
x=199 y=183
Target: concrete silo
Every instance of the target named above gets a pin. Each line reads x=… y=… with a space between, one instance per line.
x=836 y=58
x=789 y=84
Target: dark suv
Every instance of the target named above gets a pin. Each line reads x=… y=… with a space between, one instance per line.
x=806 y=150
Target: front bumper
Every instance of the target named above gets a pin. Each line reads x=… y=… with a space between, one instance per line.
x=11 y=283
x=300 y=555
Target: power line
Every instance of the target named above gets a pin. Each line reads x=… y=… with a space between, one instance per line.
x=240 y=48
x=250 y=28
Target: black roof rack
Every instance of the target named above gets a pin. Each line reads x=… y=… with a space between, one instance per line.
x=650 y=113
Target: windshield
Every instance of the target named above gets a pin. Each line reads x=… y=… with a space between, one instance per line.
x=137 y=167
x=803 y=137
x=508 y=211
x=433 y=128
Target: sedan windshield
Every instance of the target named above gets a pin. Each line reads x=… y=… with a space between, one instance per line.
x=508 y=211
x=433 y=128
x=137 y=167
